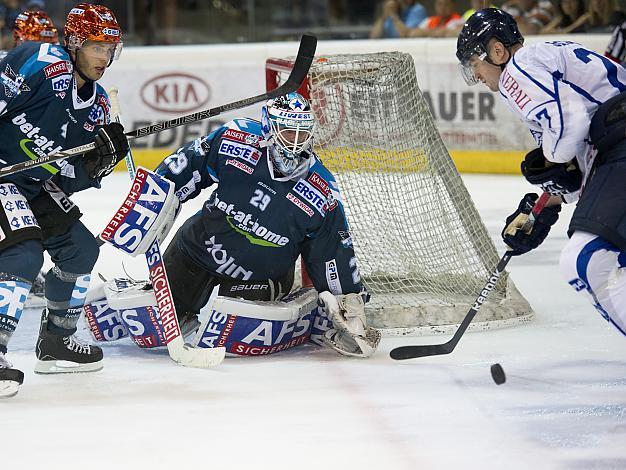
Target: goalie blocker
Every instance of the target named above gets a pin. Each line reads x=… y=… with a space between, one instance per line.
x=148 y=212
x=124 y=308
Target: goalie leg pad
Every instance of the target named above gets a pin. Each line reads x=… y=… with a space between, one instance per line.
x=144 y=326
x=104 y=322
x=148 y=213
x=121 y=308
x=257 y=328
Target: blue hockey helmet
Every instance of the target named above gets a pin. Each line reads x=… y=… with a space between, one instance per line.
x=479 y=29
x=288 y=124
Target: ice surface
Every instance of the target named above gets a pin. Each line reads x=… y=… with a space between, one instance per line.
x=563 y=405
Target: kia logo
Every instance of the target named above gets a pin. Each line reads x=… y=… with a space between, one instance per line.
x=175 y=93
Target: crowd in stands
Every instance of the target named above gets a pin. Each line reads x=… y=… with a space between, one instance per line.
x=200 y=21
x=410 y=18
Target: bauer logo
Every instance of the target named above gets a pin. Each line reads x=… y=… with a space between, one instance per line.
x=175 y=93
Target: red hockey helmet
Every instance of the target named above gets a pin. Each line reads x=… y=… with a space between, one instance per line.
x=87 y=22
x=34 y=26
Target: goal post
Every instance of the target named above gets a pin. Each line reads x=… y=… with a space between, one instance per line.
x=422 y=248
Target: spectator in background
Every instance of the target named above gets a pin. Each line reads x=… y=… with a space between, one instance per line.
x=570 y=18
x=398 y=18
x=9 y=9
x=474 y=6
x=603 y=16
x=35 y=5
x=616 y=49
x=531 y=15
x=443 y=23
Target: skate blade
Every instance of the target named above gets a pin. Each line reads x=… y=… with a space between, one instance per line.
x=8 y=388
x=66 y=367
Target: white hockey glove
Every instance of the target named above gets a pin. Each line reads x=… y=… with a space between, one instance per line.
x=350 y=334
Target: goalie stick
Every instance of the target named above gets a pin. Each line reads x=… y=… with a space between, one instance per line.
x=301 y=66
x=412 y=352
x=180 y=352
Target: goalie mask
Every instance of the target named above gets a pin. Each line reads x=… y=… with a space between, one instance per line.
x=288 y=124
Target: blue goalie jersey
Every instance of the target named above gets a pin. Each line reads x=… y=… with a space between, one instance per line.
x=257 y=223
x=42 y=111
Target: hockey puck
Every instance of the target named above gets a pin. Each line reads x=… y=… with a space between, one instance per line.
x=497 y=373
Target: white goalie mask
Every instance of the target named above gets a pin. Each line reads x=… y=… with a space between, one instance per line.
x=288 y=124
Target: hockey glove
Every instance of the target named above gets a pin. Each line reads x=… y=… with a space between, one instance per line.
x=111 y=147
x=350 y=335
x=557 y=179
x=521 y=241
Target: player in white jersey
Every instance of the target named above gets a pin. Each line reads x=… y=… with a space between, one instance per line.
x=573 y=102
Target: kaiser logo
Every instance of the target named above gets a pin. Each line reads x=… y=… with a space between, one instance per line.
x=58 y=68
x=175 y=93
x=243 y=137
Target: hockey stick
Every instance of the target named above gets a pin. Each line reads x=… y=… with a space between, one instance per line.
x=412 y=352
x=179 y=351
x=300 y=69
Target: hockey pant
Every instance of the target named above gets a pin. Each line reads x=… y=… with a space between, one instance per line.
x=74 y=254
x=597 y=268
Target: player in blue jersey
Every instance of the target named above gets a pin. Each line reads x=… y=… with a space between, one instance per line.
x=49 y=100
x=573 y=101
x=273 y=201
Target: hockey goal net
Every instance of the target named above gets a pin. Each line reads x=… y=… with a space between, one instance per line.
x=423 y=251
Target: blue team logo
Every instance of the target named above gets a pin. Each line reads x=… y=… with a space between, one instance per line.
x=13 y=294
x=296 y=104
x=61 y=83
x=13 y=83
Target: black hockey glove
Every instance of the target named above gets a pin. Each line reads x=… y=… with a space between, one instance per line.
x=111 y=147
x=520 y=241
x=557 y=179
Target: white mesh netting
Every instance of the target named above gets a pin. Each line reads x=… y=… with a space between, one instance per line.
x=423 y=252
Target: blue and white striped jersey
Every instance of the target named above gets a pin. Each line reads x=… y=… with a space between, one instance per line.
x=555 y=88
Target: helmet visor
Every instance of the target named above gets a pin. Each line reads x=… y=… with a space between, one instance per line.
x=469 y=62
x=109 y=51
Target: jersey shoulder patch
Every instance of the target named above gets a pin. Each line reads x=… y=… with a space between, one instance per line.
x=34 y=57
x=246 y=125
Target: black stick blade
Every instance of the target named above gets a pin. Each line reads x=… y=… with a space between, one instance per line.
x=301 y=66
x=412 y=352
x=306 y=52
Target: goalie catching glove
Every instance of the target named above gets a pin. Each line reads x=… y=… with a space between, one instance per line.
x=350 y=335
x=558 y=179
x=522 y=241
x=111 y=147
